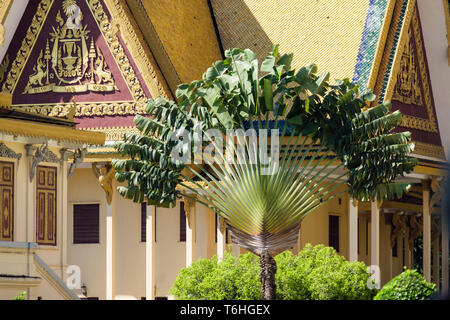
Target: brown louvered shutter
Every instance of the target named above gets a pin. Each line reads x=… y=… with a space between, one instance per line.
x=46 y=180
x=333 y=232
x=143 y=222
x=86 y=223
x=182 y=223
x=6 y=201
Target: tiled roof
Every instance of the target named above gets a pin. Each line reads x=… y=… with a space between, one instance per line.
x=376 y=15
x=326 y=32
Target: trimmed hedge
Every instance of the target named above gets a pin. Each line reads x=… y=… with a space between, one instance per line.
x=317 y=273
x=409 y=285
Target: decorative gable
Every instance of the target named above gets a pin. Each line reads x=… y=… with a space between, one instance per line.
x=404 y=79
x=81 y=58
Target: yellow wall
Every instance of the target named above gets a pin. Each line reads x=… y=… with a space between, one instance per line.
x=91 y=258
x=25 y=219
x=170 y=253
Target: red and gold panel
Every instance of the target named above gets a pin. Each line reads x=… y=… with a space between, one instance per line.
x=67 y=59
x=46 y=205
x=6 y=201
x=409 y=87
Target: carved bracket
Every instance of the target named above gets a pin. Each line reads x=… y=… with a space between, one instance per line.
x=189 y=204
x=399 y=222
x=105 y=175
x=416 y=228
x=39 y=154
x=6 y=152
x=78 y=157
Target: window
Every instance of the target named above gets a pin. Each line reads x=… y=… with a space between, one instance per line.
x=46 y=205
x=86 y=223
x=6 y=201
x=182 y=223
x=367 y=237
x=333 y=232
x=358 y=235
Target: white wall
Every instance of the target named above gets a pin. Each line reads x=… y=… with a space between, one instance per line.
x=11 y=23
x=435 y=37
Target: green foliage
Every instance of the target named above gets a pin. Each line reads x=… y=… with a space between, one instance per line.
x=316 y=273
x=21 y=296
x=319 y=273
x=230 y=279
x=409 y=285
x=237 y=91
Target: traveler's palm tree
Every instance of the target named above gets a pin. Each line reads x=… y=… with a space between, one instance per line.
x=329 y=144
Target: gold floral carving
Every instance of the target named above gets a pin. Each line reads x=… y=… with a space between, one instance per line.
x=416 y=73
x=407 y=88
x=116 y=133
x=87 y=109
x=430 y=150
x=4 y=67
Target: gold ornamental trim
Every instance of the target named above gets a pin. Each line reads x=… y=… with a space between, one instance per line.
x=86 y=109
x=54 y=132
x=411 y=21
x=430 y=150
x=115 y=133
x=5 y=100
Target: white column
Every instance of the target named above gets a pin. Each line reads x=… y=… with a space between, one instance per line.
x=31 y=198
x=426 y=230
x=221 y=241
x=353 y=230
x=110 y=213
x=189 y=207
x=375 y=234
x=236 y=250
x=150 y=254
x=64 y=213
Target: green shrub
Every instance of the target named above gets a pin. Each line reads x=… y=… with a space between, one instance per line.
x=409 y=285
x=21 y=296
x=231 y=279
x=316 y=273
x=319 y=273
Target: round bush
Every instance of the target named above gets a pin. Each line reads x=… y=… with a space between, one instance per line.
x=231 y=279
x=317 y=273
x=409 y=285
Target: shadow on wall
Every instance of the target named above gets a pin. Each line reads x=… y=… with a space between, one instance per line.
x=238 y=27
x=446 y=220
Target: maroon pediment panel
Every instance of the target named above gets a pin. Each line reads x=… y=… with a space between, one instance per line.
x=64 y=55
x=413 y=94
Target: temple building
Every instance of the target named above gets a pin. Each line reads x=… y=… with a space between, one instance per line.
x=75 y=73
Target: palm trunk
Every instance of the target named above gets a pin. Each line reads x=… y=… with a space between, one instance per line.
x=268 y=271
